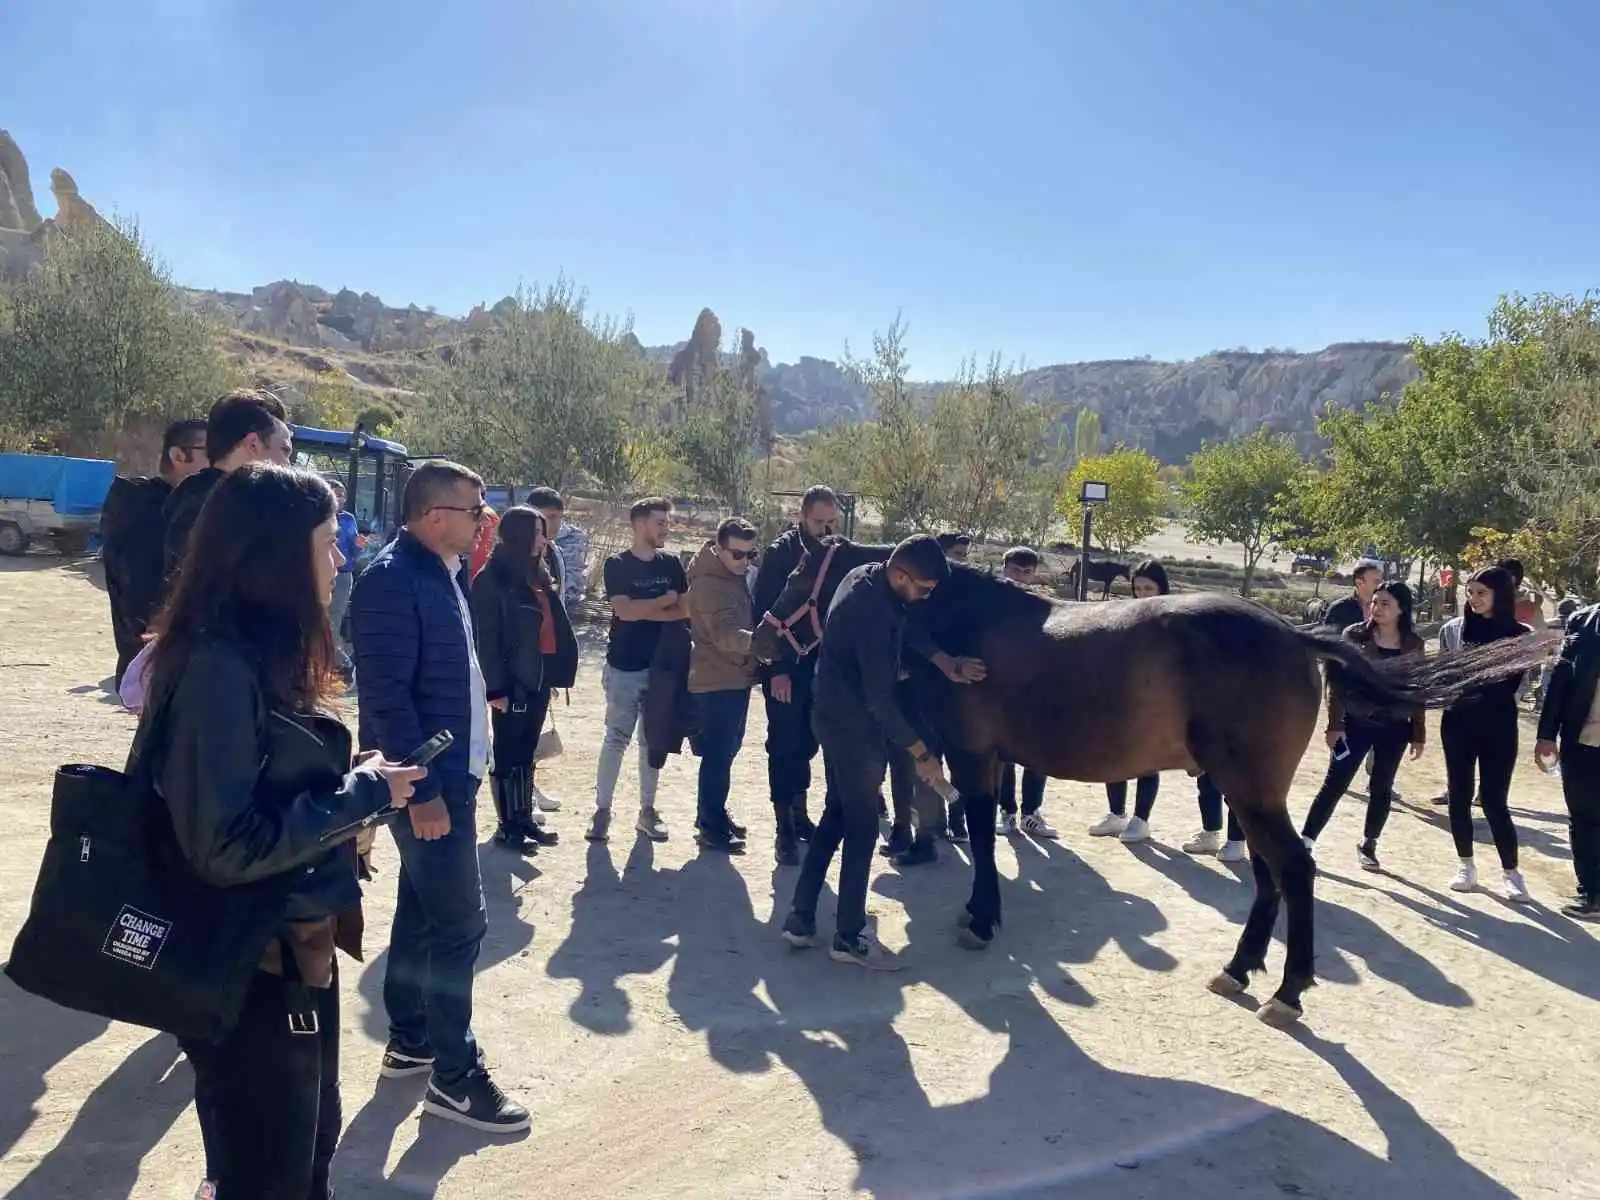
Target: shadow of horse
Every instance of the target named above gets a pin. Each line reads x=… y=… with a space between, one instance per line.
x=1051 y=1117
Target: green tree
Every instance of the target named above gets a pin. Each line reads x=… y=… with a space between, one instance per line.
x=96 y=336
x=1138 y=499
x=985 y=436
x=903 y=475
x=1237 y=493
x=717 y=440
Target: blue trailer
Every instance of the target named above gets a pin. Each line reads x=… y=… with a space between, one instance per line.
x=47 y=495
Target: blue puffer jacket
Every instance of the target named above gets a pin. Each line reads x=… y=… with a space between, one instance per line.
x=411 y=660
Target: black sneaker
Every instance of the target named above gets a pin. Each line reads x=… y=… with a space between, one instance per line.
x=1367 y=854
x=800 y=932
x=898 y=843
x=804 y=827
x=728 y=842
x=539 y=835
x=957 y=829
x=477 y=1102
x=920 y=853
x=402 y=1062
x=1584 y=908
x=864 y=952
x=738 y=830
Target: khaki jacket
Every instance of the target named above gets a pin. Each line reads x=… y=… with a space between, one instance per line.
x=722 y=621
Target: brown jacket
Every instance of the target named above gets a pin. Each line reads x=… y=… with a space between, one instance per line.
x=1361 y=635
x=721 y=619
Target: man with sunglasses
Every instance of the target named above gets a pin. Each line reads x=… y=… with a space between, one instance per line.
x=418 y=668
x=786 y=684
x=132 y=530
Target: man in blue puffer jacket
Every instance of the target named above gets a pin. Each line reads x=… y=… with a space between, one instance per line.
x=412 y=628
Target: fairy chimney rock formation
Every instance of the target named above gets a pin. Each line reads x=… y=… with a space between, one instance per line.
x=17 y=209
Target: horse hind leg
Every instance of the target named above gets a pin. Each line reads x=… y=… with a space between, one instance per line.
x=1284 y=871
x=977 y=781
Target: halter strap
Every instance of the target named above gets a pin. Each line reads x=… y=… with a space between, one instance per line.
x=785 y=625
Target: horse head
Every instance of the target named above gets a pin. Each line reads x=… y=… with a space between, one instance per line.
x=793 y=625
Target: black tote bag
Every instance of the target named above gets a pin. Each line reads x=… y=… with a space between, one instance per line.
x=121 y=926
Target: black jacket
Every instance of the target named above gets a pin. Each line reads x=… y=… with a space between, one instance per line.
x=252 y=786
x=670 y=715
x=859 y=663
x=180 y=512
x=133 y=531
x=777 y=561
x=506 y=620
x=1573 y=678
x=1345 y=612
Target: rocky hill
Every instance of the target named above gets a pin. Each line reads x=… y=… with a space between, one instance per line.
x=1168 y=408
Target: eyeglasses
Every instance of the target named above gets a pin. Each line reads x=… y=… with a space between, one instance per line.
x=740 y=555
x=477 y=510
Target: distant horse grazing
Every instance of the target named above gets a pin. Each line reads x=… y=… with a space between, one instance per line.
x=1201 y=682
x=1101 y=571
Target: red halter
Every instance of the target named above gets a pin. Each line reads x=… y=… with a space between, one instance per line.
x=809 y=608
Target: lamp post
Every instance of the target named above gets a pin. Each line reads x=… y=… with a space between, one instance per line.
x=1089 y=495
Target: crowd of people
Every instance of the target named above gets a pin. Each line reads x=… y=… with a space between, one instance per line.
x=232 y=573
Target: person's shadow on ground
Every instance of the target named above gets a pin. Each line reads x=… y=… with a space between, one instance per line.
x=121 y=1121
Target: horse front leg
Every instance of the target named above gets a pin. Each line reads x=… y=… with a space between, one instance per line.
x=977 y=778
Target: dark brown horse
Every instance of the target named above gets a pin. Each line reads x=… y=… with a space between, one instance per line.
x=1101 y=570
x=1201 y=682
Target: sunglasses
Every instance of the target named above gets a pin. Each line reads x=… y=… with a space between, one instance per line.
x=740 y=555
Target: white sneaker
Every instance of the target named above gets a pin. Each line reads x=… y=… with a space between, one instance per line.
x=1007 y=825
x=1207 y=841
x=651 y=825
x=545 y=803
x=1517 y=887
x=1036 y=826
x=1466 y=879
x=1110 y=825
x=1138 y=830
x=1233 y=852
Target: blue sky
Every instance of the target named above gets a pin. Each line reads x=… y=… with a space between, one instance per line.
x=1052 y=179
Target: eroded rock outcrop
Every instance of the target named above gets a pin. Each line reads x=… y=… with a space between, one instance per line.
x=17 y=209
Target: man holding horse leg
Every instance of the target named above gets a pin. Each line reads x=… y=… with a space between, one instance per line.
x=859 y=723
x=786 y=685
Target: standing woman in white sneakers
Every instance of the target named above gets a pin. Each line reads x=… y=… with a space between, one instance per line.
x=1149 y=578
x=1386 y=633
x=1479 y=732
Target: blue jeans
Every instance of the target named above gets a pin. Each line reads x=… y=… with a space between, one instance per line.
x=439 y=922
x=343 y=584
x=722 y=721
x=624 y=706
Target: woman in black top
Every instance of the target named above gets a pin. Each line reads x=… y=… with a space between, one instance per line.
x=1386 y=633
x=1148 y=578
x=1479 y=732
x=526 y=649
x=1569 y=732
x=255 y=771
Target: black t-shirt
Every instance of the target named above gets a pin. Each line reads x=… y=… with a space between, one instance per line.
x=633 y=643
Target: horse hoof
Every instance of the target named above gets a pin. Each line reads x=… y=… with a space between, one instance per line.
x=1223 y=984
x=1277 y=1014
x=963 y=919
x=967 y=939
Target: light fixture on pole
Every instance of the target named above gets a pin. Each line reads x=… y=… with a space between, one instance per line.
x=1091 y=493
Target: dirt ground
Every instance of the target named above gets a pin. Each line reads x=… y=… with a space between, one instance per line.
x=638 y=999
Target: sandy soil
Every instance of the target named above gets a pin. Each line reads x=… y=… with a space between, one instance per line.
x=639 y=1000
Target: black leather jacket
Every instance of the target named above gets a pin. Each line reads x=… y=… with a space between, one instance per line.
x=506 y=621
x=778 y=561
x=1573 y=678
x=252 y=787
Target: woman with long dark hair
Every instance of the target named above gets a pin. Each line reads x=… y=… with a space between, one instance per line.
x=256 y=772
x=526 y=650
x=1386 y=633
x=1479 y=732
x=1148 y=578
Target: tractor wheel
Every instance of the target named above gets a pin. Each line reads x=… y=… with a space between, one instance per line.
x=12 y=539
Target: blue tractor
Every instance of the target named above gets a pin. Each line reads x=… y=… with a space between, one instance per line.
x=373 y=470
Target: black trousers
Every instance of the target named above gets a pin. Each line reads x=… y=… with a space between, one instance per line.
x=268 y=1098
x=1580 y=784
x=1481 y=744
x=791 y=743
x=1144 y=796
x=130 y=616
x=1032 y=790
x=1210 y=797
x=855 y=762
x=516 y=733
x=1387 y=743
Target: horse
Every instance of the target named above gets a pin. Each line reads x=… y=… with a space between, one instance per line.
x=1204 y=682
x=1101 y=571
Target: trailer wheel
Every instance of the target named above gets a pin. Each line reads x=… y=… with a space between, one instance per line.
x=12 y=540
x=71 y=543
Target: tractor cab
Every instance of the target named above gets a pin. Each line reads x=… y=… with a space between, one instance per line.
x=373 y=470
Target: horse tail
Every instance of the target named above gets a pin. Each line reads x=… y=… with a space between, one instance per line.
x=1393 y=687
